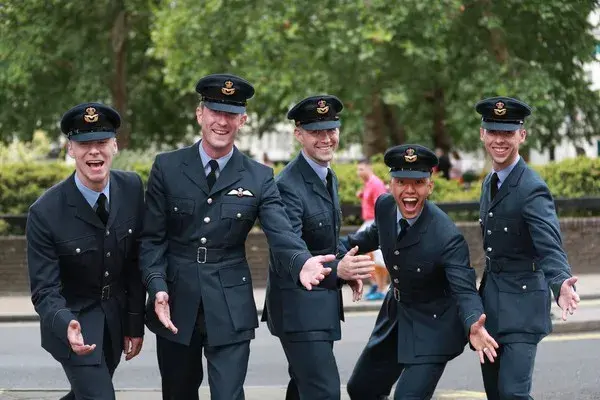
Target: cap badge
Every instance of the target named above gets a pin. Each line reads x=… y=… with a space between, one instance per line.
x=500 y=110
x=410 y=156
x=228 y=89
x=322 y=108
x=90 y=115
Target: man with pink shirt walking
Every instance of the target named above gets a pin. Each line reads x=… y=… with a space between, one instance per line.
x=372 y=189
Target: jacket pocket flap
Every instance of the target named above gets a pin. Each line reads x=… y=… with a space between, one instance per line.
x=76 y=247
x=238 y=211
x=520 y=283
x=125 y=229
x=179 y=205
x=235 y=277
x=317 y=221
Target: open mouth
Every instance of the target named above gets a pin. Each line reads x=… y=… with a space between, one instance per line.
x=95 y=165
x=501 y=150
x=220 y=132
x=410 y=204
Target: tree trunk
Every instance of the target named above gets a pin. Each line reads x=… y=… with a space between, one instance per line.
x=118 y=84
x=441 y=136
x=396 y=131
x=374 y=138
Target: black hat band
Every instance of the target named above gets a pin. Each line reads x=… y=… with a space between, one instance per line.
x=212 y=100
x=310 y=121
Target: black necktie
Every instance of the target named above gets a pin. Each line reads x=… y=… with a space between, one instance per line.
x=101 y=208
x=211 y=178
x=404 y=225
x=494 y=185
x=330 y=183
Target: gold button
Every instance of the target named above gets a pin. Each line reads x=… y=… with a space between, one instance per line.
x=130 y=231
x=108 y=254
x=78 y=250
x=491 y=214
x=480 y=221
x=106 y=273
x=175 y=209
x=320 y=224
x=434 y=315
x=107 y=232
x=239 y=215
x=396 y=280
x=396 y=252
x=524 y=287
x=396 y=267
x=489 y=232
x=418 y=269
x=489 y=249
x=203 y=240
x=243 y=279
x=209 y=200
x=207 y=220
x=505 y=229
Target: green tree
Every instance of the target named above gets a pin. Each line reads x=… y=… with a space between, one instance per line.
x=55 y=54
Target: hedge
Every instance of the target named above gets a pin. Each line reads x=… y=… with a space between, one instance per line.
x=22 y=183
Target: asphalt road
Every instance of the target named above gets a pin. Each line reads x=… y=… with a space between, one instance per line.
x=567 y=367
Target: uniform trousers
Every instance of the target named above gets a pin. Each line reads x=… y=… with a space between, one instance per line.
x=181 y=368
x=377 y=369
x=93 y=382
x=313 y=370
x=510 y=376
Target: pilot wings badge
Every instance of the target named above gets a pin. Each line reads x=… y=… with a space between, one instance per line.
x=240 y=192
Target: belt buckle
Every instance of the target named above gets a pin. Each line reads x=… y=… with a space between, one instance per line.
x=396 y=294
x=199 y=258
x=105 y=292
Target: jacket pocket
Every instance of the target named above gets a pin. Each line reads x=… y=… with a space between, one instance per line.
x=79 y=253
x=523 y=303
x=125 y=235
x=437 y=329
x=309 y=310
x=239 y=219
x=237 y=288
x=180 y=214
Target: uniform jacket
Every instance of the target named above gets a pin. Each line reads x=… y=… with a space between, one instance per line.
x=292 y=312
x=79 y=269
x=524 y=256
x=193 y=243
x=433 y=298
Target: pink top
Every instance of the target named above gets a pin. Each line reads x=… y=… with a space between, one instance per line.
x=373 y=188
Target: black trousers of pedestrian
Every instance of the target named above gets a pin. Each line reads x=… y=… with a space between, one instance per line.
x=377 y=369
x=511 y=374
x=181 y=368
x=93 y=382
x=313 y=371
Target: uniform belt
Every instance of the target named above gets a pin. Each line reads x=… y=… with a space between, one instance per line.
x=105 y=293
x=203 y=255
x=425 y=297
x=509 y=265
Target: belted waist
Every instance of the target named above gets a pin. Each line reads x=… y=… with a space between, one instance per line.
x=509 y=265
x=203 y=255
x=419 y=297
x=104 y=293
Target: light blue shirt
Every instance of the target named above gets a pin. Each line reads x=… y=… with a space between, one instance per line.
x=503 y=173
x=411 y=221
x=91 y=196
x=221 y=161
x=319 y=169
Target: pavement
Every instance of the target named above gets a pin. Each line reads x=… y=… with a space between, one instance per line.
x=18 y=308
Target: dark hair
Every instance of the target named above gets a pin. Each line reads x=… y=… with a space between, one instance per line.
x=364 y=161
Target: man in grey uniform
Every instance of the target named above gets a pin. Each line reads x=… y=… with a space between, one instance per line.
x=201 y=202
x=524 y=254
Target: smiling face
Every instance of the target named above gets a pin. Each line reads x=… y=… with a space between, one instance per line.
x=319 y=145
x=410 y=194
x=93 y=160
x=219 y=130
x=502 y=146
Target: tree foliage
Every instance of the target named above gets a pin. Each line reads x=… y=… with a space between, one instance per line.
x=406 y=71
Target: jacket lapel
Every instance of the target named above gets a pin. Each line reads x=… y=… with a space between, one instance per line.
x=512 y=180
x=311 y=177
x=388 y=226
x=231 y=173
x=114 y=202
x=81 y=208
x=192 y=167
x=413 y=236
